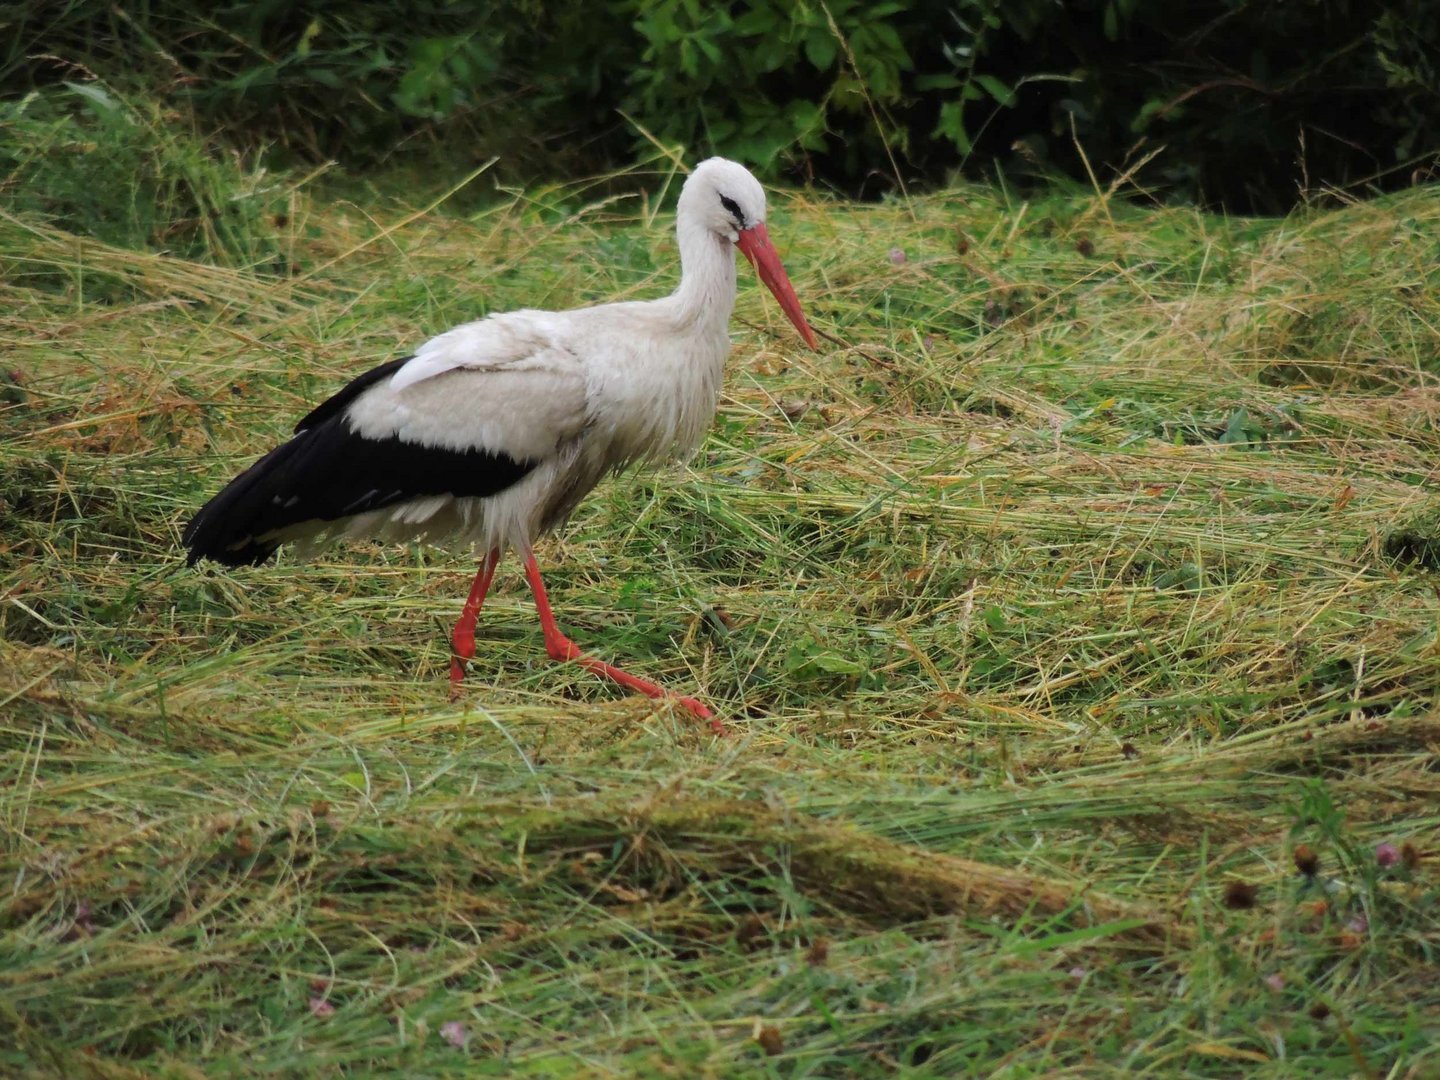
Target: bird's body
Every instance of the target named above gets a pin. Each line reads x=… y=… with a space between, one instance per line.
x=494 y=431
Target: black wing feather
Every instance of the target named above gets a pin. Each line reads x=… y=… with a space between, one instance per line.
x=328 y=472
x=340 y=400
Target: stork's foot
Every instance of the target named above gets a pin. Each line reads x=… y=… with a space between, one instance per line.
x=700 y=712
x=462 y=649
x=457 y=676
x=562 y=648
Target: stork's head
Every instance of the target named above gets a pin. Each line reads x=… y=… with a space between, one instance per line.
x=729 y=202
x=724 y=196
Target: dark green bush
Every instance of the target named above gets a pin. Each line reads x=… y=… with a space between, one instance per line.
x=1248 y=101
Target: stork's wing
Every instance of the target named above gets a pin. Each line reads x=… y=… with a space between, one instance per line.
x=470 y=427
x=337 y=402
x=488 y=344
x=505 y=385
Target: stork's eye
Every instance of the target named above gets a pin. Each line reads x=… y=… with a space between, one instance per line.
x=733 y=209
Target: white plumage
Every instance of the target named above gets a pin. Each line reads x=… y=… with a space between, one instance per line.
x=494 y=431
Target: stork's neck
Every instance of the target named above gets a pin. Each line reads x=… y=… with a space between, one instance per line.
x=706 y=294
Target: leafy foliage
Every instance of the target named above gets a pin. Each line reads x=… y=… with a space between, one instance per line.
x=1250 y=99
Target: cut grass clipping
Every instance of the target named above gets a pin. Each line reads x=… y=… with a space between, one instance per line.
x=1075 y=611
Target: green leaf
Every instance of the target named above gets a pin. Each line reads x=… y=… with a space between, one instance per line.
x=757 y=22
x=709 y=48
x=997 y=89
x=886 y=35
x=1147 y=112
x=101 y=103
x=820 y=48
x=807 y=659
x=1069 y=938
x=429 y=52
x=937 y=82
x=835 y=664
x=1187 y=577
x=770 y=54
x=952 y=125
x=302 y=47
x=803 y=114
x=1238 y=430
x=884 y=84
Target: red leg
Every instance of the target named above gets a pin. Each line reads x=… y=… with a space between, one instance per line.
x=462 y=641
x=561 y=647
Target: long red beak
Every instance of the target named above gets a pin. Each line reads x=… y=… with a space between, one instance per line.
x=754 y=244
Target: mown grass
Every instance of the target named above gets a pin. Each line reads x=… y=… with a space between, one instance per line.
x=1080 y=586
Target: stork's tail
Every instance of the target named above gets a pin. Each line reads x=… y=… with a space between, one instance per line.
x=328 y=473
x=260 y=509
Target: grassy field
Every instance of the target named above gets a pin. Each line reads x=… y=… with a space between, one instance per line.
x=1073 y=612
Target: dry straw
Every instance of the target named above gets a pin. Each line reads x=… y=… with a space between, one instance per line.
x=1090 y=567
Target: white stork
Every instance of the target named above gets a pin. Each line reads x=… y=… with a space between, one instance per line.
x=494 y=431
